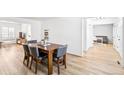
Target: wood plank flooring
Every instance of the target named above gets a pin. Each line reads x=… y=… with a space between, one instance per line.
x=99 y=60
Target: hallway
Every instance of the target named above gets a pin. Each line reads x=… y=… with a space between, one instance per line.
x=105 y=57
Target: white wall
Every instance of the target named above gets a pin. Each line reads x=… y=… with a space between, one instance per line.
x=120 y=39
x=65 y=31
x=26 y=28
x=118 y=34
x=89 y=36
x=104 y=30
x=84 y=37
x=123 y=41
x=35 y=25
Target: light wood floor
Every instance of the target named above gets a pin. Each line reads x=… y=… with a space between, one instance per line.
x=99 y=60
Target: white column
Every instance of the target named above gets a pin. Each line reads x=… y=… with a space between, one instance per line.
x=89 y=34
x=83 y=36
x=123 y=43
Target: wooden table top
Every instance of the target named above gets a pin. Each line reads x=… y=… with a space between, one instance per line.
x=48 y=47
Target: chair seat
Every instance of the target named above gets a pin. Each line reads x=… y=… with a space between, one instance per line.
x=55 y=58
x=40 y=58
x=43 y=59
x=60 y=60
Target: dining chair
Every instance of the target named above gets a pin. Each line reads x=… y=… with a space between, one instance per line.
x=32 y=41
x=58 y=56
x=26 y=54
x=36 y=57
x=0 y=44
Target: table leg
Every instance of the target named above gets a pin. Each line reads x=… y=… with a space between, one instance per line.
x=64 y=59
x=50 y=63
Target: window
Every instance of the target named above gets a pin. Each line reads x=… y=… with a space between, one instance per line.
x=11 y=33
x=7 y=33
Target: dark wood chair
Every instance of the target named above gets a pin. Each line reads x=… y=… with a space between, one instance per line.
x=36 y=57
x=58 y=56
x=27 y=54
x=0 y=44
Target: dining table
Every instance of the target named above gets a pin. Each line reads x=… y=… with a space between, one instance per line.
x=49 y=50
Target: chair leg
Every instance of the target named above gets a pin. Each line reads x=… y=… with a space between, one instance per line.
x=36 y=68
x=58 y=67
x=24 y=59
x=65 y=65
x=64 y=60
x=27 y=61
x=31 y=62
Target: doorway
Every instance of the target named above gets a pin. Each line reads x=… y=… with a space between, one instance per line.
x=26 y=29
x=105 y=33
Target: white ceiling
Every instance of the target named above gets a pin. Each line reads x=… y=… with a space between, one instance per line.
x=40 y=18
x=48 y=18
